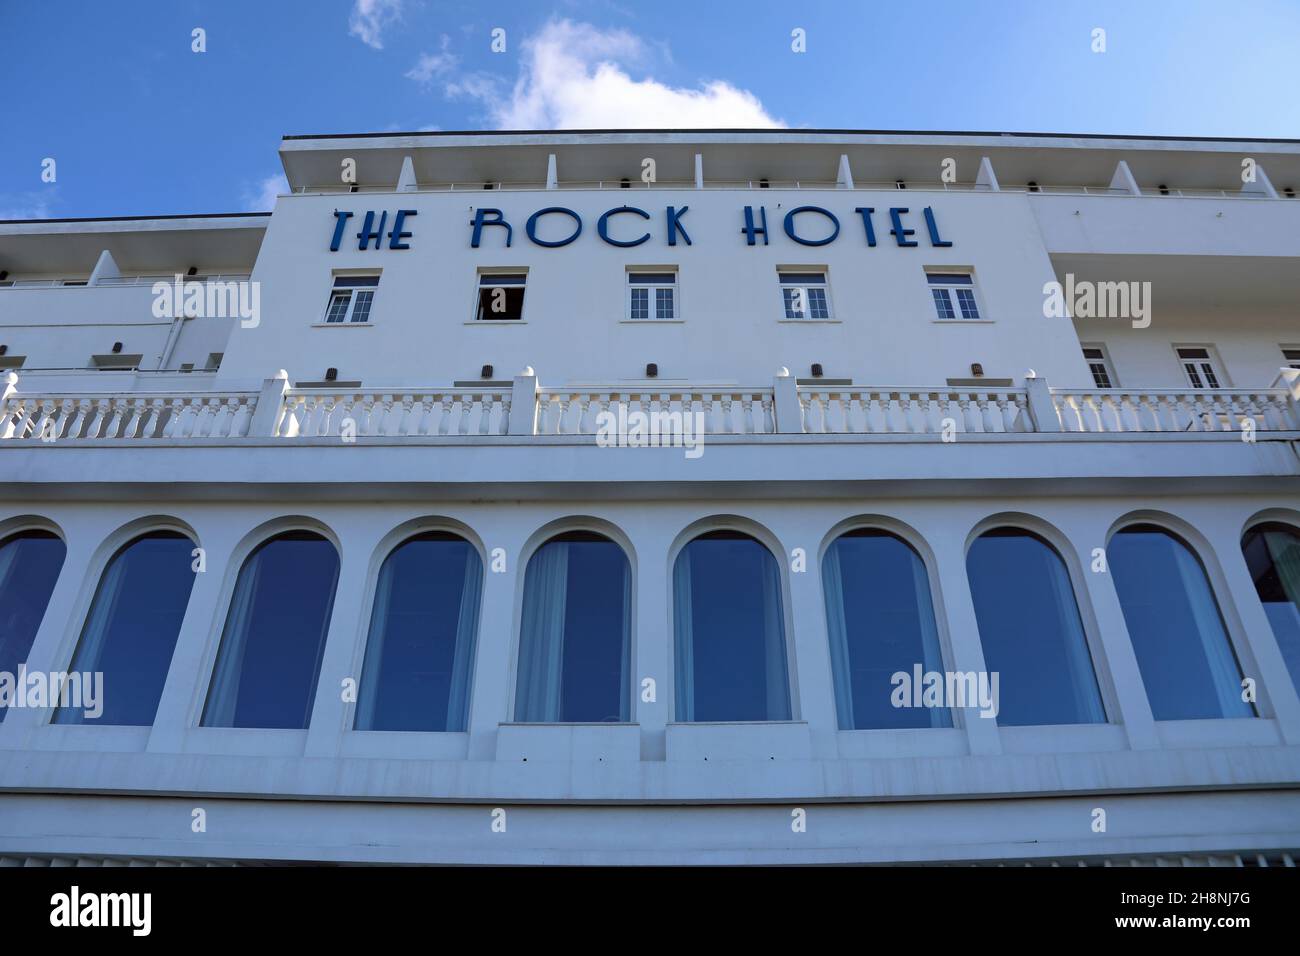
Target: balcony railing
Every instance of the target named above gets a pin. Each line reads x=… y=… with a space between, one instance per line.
x=278 y=411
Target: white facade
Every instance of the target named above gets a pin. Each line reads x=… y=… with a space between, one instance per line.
x=369 y=432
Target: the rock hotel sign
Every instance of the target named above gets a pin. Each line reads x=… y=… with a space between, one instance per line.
x=625 y=226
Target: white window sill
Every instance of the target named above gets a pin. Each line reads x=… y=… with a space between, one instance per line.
x=341 y=325
x=497 y=322
x=810 y=321
x=651 y=321
x=962 y=321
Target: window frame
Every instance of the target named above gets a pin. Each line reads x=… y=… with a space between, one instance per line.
x=651 y=286
x=1108 y=367
x=1290 y=360
x=353 y=284
x=806 y=284
x=1210 y=360
x=481 y=276
x=954 y=279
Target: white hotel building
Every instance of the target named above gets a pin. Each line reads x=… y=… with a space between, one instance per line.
x=364 y=586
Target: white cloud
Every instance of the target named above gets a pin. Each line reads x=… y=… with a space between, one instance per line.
x=370 y=18
x=261 y=196
x=431 y=65
x=575 y=76
x=28 y=205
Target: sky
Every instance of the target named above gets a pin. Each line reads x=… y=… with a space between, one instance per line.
x=137 y=122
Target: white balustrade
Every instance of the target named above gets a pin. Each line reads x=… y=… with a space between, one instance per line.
x=176 y=416
x=1174 y=410
x=862 y=411
x=315 y=413
x=720 y=411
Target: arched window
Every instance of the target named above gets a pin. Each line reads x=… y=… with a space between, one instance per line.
x=271 y=648
x=730 y=661
x=29 y=567
x=1272 y=553
x=1181 y=644
x=880 y=620
x=1031 y=631
x=423 y=631
x=575 y=633
x=132 y=626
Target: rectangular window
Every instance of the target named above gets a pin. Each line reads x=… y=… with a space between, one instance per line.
x=953 y=294
x=351 y=299
x=804 y=295
x=1103 y=376
x=652 y=295
x=1292 y=357
x=501 y=296
x=1199 y=367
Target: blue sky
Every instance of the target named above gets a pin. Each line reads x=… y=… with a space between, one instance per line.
x=138 y=124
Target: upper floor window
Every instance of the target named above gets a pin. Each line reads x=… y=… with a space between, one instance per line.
x=575 y=633
x=501 y=296
x=1031 y=631
x=880 y=620
x=352 y=299
x=1292 y=357
x=953 y=294
x=131 y=629
x=1272 y=552
x=1103 y=376
x=729 y=631
x=652 y=295
x=269 y=659
x=1181 y=643
x=423 y=629
x=29 y=567
x=1200 y=367
x=805 y=295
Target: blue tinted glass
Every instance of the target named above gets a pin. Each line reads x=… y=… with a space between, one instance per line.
x=1182 y=648
x=29 y=567
x=575 y=634
x=1272 y=553
x=1031 y=632
x=729 y=631
x=881 y=622
x=132 y=625
x=271 y=648
x=423 y=629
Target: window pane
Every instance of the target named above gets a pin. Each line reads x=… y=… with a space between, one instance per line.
x=361 y=311
x=818 y=305
x=943 y=303
x=29 y=567
x=663 y=303
x=353 y=282
x=1272 y=554
x=271 y=648
x=881 y=621
x=729 y=631
x=575 y=634
x=1182 y=647
x=796 y=302
x=652 y=278
x=948 y=278
x=131 y=628
x=423 y=630
x=803 y=278
x=338 y=306
x=966 y=299
x=1031 y=632
x=640 y=303
x=500 y=302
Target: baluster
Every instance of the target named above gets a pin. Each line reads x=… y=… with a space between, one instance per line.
x=133 y=423
x=504 y=427
x=96 y=423
x=466 y=407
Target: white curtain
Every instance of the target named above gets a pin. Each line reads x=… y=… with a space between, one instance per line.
x=371 y=671
x=98 y=626
x=1219 y=658
x=684 y=638
x=778 y=679
x=625 y=660
x=932 y=655
x=837 y=630
x=541 y=635
x=466 y=640
x=1069 y=630
x=223 y=695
